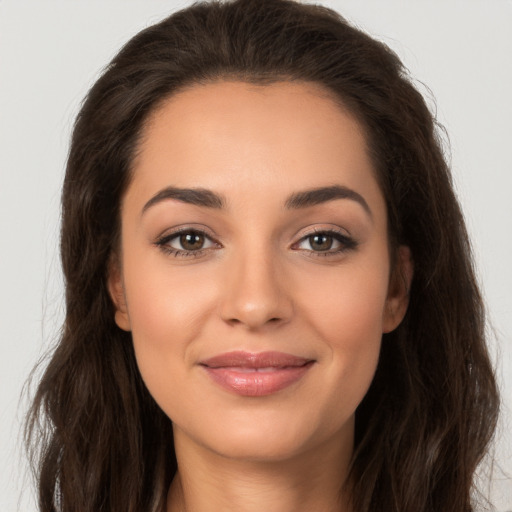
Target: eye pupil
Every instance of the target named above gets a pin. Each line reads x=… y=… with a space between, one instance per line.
x=321 y=242
x=192 y=241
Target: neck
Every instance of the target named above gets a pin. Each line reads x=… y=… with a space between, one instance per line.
x=209 y=482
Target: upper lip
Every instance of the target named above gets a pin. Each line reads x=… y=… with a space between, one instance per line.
x=242 y=359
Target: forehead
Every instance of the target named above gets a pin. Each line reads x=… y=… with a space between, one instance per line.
x=288 y=110
x=228 y=135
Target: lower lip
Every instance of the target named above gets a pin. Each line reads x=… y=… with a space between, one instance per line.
x=248 y=382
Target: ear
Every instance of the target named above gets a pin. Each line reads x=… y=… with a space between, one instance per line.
x=116 y=290
x=398 y=292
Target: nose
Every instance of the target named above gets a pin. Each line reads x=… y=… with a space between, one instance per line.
x=255 y=294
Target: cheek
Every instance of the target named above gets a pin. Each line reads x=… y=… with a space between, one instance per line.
x=166 y=311
x=351 y=305
x=349 y=320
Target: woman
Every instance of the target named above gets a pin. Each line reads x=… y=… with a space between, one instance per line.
x=270 y=300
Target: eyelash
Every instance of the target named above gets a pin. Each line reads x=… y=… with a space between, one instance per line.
x=346 y=243
x=163 y=243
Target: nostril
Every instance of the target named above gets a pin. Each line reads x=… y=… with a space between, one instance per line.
x=237 y=321
x=255 y=308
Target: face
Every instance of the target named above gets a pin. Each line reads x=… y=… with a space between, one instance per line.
x=254 y=269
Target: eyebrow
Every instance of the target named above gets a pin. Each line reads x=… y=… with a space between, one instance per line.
x=195 y=196
x=298 y=200
x=316 y=196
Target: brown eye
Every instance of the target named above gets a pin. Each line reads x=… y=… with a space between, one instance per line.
x=320 y=242
x=186 y=242
x=326 y=242
x=192 y=241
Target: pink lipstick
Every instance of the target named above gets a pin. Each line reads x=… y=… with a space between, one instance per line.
x=256 y=374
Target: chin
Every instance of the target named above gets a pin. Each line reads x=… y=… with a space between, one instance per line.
x=259 y=447
x=270 y=437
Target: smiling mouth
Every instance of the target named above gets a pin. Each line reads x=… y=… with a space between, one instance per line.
x=256 y=374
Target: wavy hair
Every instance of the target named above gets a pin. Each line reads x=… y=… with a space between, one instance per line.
x=97 y=439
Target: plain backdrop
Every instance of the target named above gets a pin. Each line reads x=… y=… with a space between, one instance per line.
x=52 y=51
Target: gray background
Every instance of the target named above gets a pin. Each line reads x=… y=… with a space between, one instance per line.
x=52 y=51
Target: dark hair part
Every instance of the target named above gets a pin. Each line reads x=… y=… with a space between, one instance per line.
x=99 y=440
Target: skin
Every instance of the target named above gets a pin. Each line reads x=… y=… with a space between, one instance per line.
x=259 y=283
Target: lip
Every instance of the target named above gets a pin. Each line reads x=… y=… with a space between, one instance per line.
x=256 y=374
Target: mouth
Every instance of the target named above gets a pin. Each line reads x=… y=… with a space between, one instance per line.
x=256 y=374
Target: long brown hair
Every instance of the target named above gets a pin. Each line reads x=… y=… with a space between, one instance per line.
x=98 y=440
